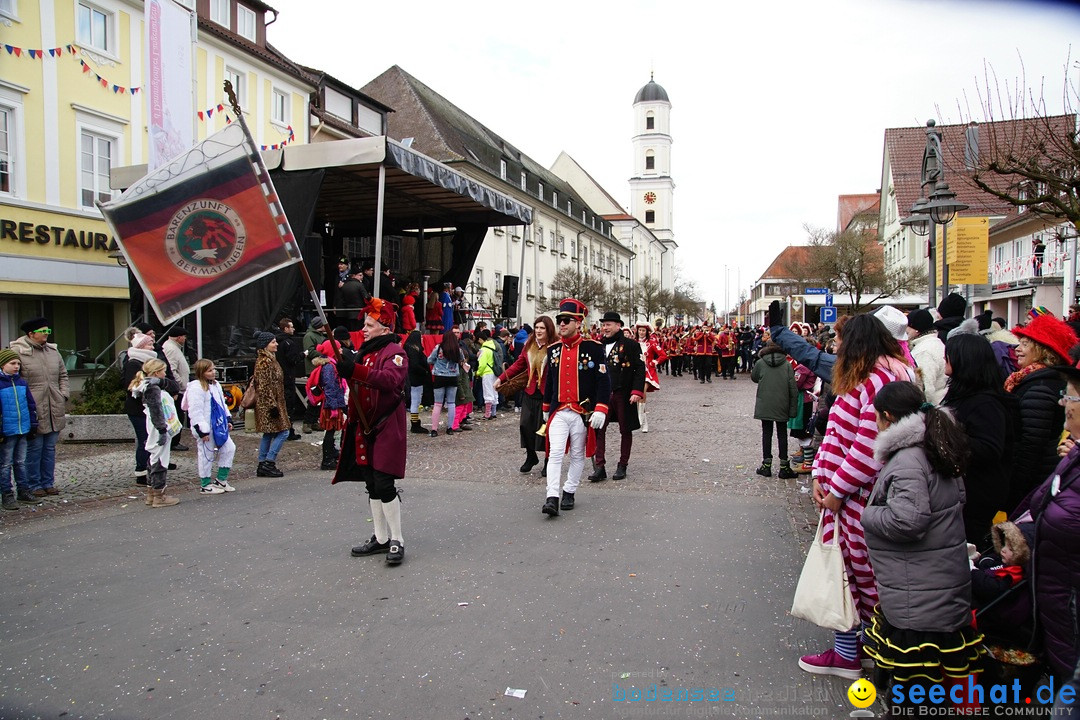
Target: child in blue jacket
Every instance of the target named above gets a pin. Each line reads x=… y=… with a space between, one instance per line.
x=18 y=422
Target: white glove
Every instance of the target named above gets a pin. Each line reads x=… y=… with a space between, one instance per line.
x=597 y=420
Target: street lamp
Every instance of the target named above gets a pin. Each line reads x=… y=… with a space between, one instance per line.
x=940 y=208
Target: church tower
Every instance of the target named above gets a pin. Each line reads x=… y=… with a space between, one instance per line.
x=652 y=188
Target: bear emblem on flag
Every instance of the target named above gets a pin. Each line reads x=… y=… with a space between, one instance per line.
x=205 y=237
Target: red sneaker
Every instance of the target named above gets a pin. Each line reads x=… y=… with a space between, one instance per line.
x=829 y=663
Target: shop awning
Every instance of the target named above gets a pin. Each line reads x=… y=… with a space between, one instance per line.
x=419 y=192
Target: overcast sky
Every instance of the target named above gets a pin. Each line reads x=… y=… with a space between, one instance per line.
x=777 y=107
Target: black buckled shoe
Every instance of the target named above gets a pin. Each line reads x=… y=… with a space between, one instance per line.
x=396 y=553
x=620 y=472
x=567 y=501
x=371 y=547
x=599 y=474
x=551 y=507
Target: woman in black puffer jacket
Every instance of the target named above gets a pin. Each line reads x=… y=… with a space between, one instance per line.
x=1044 y=345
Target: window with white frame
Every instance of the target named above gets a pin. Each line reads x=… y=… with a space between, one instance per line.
x=9 y=8
x=245 y=23
x=480 y=277
x=219 y=12
x=280 y=110
x=528 y=286
x=540 y=286
x=554 y=199
x=94 y=28
x=498 y=282
x=7 y=121
x=573 y=250
x=237 y=79
x=96 y=154
x=650 y=160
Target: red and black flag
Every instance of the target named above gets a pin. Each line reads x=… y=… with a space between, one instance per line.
x=202 y=225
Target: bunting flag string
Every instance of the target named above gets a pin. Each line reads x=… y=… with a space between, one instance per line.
x=282 y=144
x=73 y=50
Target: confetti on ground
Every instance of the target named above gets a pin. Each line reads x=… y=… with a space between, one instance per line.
x=512 y=692
x=463 y=604
x=633 y=574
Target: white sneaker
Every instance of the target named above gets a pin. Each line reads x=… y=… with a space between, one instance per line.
x=223 y=485
x=211 y=489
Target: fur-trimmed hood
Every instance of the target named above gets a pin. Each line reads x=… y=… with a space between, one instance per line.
x=1019 y=537
x=906 y=432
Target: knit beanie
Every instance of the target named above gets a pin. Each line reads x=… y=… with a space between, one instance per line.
x=262 y=339
x=920 y=320
x=6 y=356
x=141 y=341
x=953 y=305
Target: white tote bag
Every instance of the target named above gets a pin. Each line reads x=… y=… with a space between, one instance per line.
x=823 y=595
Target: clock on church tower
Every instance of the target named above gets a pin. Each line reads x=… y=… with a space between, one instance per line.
x=650 y=197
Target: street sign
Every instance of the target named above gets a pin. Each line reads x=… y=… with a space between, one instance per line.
x=828 y=299
x=816 y=291
x=827 y=314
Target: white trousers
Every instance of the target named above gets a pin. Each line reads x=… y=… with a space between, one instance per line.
x=565 y=424
x=488 y=383
x=206 y=455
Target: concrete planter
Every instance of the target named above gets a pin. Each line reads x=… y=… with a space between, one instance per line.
x=97 y=429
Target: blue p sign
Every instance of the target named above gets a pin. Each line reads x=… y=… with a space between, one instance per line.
x=827 y=314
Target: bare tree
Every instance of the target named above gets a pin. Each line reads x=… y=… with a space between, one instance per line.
x=1026 y=156
x=851 y=262
x=617 y=298
x=568 y=282
x=648 y=296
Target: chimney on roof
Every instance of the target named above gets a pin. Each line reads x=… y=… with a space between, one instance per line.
x=971 y=145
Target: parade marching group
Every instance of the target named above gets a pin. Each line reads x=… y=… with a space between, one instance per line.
x=917 y=430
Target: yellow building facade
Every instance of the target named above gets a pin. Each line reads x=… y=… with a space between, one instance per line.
x=72 y=108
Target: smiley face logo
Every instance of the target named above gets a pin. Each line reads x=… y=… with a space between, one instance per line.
x=862 y=693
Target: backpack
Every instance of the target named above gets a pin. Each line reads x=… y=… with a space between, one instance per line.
x=313 y=388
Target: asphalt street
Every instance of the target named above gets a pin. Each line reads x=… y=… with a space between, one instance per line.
x=248 y=605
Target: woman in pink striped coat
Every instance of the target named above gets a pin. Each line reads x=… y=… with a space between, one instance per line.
x=845 y=471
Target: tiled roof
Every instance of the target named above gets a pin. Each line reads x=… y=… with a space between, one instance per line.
x=904 y=150
x=447 y=133
x=268 y=54
x=791 y=256
x=851 y=206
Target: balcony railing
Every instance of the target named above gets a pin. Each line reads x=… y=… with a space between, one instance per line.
x=1029 y=268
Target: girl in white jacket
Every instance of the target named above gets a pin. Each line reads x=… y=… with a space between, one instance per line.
x=201 y=393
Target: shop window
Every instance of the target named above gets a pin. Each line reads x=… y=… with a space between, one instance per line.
x=96 y=159
x=245 y=23
x=94 y=28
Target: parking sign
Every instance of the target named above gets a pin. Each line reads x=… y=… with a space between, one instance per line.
x=827 y=314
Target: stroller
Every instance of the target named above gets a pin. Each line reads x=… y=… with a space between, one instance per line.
x=1011 y=652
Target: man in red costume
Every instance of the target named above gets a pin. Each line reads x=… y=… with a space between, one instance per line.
x=373 y=450
x=576 y=394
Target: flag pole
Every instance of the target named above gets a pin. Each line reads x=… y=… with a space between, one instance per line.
x=231 y=94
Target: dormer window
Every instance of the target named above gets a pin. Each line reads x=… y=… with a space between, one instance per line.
x=554 y=199
x=540 y=190
x=245 y=23
x=219 y=13
x=524 y=179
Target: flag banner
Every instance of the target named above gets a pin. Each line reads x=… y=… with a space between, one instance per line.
x=203 y=225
